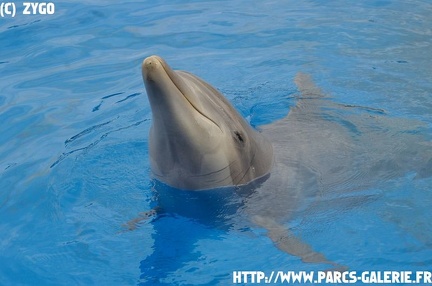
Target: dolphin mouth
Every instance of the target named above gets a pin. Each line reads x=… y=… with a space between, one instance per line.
x=149 y=65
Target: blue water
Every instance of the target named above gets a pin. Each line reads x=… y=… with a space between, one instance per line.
x=74 y=121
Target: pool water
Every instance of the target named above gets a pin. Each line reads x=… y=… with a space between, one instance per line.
x=74 y=122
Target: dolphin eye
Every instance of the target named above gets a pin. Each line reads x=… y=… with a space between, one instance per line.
x=239 y=136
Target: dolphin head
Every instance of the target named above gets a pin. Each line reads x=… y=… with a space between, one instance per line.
x=197 y=139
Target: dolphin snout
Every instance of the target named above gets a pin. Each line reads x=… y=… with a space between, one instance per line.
x=150 y=64
x=151 y=60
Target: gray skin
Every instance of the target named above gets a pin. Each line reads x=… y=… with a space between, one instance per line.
x=198 y=140
x=322 y=155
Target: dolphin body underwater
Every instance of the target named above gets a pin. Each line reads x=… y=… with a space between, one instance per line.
x=322 y=154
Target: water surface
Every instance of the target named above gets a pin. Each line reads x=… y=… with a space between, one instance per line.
x=74 y=121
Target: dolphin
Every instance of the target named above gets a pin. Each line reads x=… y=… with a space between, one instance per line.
x=321 y=155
